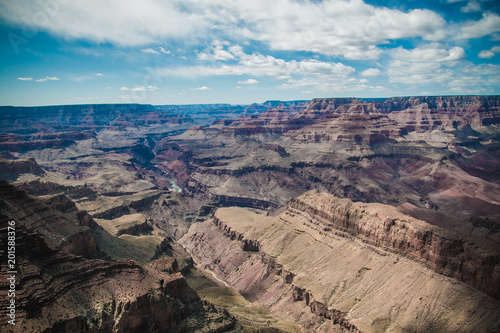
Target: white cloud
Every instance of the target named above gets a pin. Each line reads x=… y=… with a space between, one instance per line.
x=348 y=28
x=152 y=88
x=488 y=25
x=136 y=88
x=150 y=51
x=123 y=22
x=445 y=70
x=98 y=74
x=332 y=85
x=156 y=51
x=162 y=50
x=201 y=88
x=472 y=6
x=371 y=72
x=261 y=65
x=351 y=29
x=431 y=53
x=486 y=54
x=249 y=81
x=108 y=88
x=25 y=78
x=217 y=53
x=47 y=78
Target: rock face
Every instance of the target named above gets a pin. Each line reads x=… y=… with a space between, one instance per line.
x=473 y=260
x=63 y=226
x=123 y=295
x=332 y=264
x=435 y=153
x=59 y=288
x=11 y=169
x=83 y=117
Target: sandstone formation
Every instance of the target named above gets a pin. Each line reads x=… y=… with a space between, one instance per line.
x=437 y=153
x=337 y=265
x=61 y=285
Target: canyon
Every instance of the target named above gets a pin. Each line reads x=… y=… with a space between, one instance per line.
x=328 y=215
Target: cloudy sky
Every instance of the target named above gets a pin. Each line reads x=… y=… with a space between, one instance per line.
x=241 y=51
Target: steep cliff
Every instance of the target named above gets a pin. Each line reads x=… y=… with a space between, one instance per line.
x=65 y=282
x=57 y=291
x=11 y=169
x=438 y=153
x=473 y=260
x=332 y=264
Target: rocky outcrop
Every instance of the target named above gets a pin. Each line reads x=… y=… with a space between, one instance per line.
x=316 y=272
x=247 y=244
x=53 y=288
x=427 y=151
x=11 y=169
x=40 y=188
x=138 y=202
x=64 y=227
x=17 y=145
x=449 y=110
x=473 y=260
x=320 y=309
x=63 y=283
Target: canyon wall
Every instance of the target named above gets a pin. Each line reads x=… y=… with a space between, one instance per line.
x=334 y=265
x=64 y=281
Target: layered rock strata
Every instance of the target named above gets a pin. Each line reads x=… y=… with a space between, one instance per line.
x=439 y=153
x=65 y=282
x=62 y=292
x=331 y=264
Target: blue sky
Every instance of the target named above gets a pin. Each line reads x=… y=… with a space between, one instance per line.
x=240 y=51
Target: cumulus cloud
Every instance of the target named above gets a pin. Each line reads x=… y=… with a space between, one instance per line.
x=488 y=25
x=472 y=6
x=350 y=28
x=216 y=52
x=331 y=85
x=424 y=64
x=488 y=54
x=431 y=53
x=150 y=51
x=201 y=88
x=158 y=50
x=98 y=74
x=136 y=88
x=371 y=72
x=25 y=78
x=162 y=50
x=123 y=22
x=260 y=65
x=445 y=69
x=249 y=81
x=47 y=78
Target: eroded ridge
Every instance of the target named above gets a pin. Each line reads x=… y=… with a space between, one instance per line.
x=331 y=264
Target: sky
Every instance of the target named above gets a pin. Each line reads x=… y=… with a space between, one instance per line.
x=157 y=52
